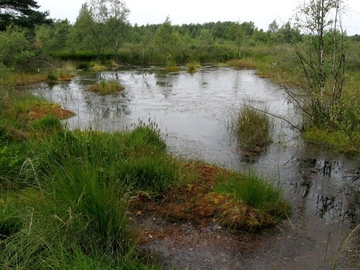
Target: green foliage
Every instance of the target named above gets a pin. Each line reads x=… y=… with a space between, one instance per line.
x=145 y=136
x=12 y=157
x=171 y=66
x=52 y=77
x=165 y=42
x=53 y=37
x=106 y=87
x=255 y=192
x=15 y=49
x=44 y=226
x=21 y=13
x=48 y=122
x=71 y=210
x=192 y=67
x=100 y=26
x=337 y=141
x=322 y=57
x=253 y=129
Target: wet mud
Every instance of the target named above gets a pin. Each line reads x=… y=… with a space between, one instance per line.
x=194 y=111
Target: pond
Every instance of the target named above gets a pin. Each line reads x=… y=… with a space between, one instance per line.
x=195 y=114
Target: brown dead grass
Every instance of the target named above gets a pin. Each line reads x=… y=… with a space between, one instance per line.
x=65 y=77
x=42 y=109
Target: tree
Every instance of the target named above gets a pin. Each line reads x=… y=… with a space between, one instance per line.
x=146 y=37
x=81 y=35
x=15 y=49
x=322 y=59
x=165 y=39
x=109 y=23
x=239 y=37
x=289 y=34
x=273 y=27
x=22 y=13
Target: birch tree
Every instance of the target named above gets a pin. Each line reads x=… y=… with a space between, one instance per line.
x=112 y=16
x=322 y=58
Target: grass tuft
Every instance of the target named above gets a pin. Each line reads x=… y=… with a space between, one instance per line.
x=265 y=199
x=192 y=67
x=106 y=87
x=253 y=129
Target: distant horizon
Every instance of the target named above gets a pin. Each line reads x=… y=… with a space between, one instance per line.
x=143 y=12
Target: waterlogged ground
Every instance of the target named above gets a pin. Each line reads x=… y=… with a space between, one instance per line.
x=194 y=112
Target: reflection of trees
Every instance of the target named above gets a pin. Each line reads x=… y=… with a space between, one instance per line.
x=166 y=81
x=106 y=109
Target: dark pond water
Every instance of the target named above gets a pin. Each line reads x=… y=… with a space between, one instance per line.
x=195 y=111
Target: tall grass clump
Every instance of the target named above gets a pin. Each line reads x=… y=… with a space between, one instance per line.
x=46 y=224
x=253 y=129
x=136 y=158
x=48 y=122
x=192 y=67
x=106 y=87
x=99 y=200
x=71 y=210
x=171 y=66
x=255 y=192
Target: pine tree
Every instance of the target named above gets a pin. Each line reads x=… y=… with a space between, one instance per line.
x=22 y=13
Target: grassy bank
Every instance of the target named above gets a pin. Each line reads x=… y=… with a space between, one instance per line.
x=68 y=196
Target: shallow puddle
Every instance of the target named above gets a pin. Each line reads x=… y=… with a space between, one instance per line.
x=194 y=112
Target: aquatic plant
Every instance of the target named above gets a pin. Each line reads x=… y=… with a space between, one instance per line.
x=171 y=66
x=253 y=129
x=192 y=67
x=106 y=87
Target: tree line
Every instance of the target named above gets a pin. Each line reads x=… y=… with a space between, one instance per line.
x=102 y=30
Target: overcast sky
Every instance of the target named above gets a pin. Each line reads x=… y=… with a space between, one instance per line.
x=261 y=12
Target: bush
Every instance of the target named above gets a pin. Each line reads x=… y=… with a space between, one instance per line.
x=15 y=49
